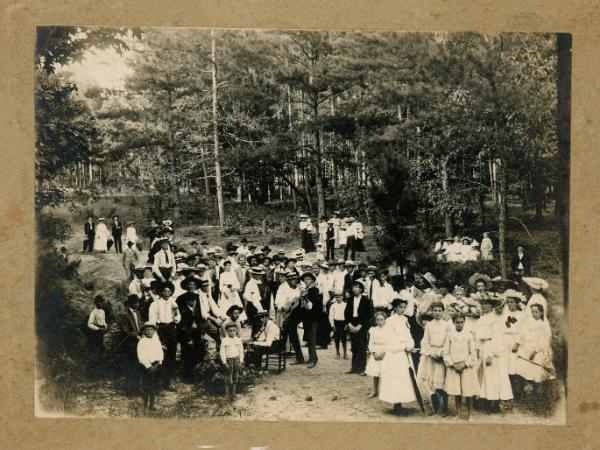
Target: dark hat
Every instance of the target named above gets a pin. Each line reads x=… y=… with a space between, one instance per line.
x=243 y=240
x=233 y=308
x=193 y=242
x=292 y=275
x=308 y=275
x=167 y=284
x=155 y=284
x=204 y=242
x=262 y=314
x=186 y=282
x=266 y=249
x=98 y=299
x=131 y=299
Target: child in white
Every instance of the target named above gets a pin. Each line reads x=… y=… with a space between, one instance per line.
x=377 y=340
x=460 y=357
x=232 y=355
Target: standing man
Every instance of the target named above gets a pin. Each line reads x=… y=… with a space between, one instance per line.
x=312 y=309
x=164 y=314
x=351 y=232
x=358 y=318
x=189 y=328
x=164 y=267
x=290 y=315
x=131 y=258
x=90 y=230
x=130 y=326
x=521 y=264
x=117 y=233
x=330 y=240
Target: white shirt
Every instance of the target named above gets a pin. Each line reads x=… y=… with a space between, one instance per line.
x=165 y=259
x=231 y=347
x=252 y=294
x=382 y=296
x=97 y=319
x=164 y=311
x=131 y=235
x=227 y=278
x=149 y=350
x=336 y=312
x=352 y=229
x=325 y=284
x=339 y=277
x=306 y=225
x=355 y=305
x=208 y=305
x=267 y=335
x=135 y=287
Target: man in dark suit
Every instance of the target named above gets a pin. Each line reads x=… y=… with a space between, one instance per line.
x=130 y=324
x=311 y=301
x=189 y=328
x=117 y=233
x=521 y=264
x=358 y=318
x=90 y=233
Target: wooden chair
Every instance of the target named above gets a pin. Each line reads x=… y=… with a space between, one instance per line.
x=276 y=356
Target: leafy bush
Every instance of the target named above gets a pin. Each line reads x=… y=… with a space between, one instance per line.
x=211 y=375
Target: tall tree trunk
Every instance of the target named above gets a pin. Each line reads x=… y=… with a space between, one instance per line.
x=502 y=216
x=318 y=156
x=215 y=126
x=205 y=172
x=448 y=222
x=173 y=178
x=563 y=119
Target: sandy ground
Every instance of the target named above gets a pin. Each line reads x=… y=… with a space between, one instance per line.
x=324 y=393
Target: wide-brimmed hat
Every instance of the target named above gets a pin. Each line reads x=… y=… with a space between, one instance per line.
x=262 y=314
x=167 y=222
x=100 y=219
x=324 y=265
x=340 y=261
x=466 y=238
x=331 y=221
x=429 y=277
x=449 y=239
x=257 y=271
x=233 y=308
x=308 y=275
x=266 y=249
x=280 y=271
x=358 y=283
x=512 y=293
x=139 y=270
x=131 y=298
x=488 y=298
x=371 y=268
x=350 y=263
x=303 y=216
x=186 y=282
x=146 y=325
x=473 y=279
x=351 y=219
x=536 y=283
x=204 y=242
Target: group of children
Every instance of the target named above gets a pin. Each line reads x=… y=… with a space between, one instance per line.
x=487 y=346
x=415 y=336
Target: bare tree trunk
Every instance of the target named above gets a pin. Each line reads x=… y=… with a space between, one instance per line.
x=215 y=125
x=205 y=172
x=449 y=223
x=502 y=217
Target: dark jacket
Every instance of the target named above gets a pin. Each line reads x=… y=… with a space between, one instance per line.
x=90 y=229
x=189 y=318
x=117 y=230
x=314 y=296
x=131 y=330
x=525 y=261
x=364 y=312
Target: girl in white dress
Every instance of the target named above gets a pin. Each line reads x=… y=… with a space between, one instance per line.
x=493 y=377
x=102 y=236
x=538 y=286
x=460 y=357
x=513 y=318
x=432 y=370
x=376 y=350
x=396 y=385
x=534 y=351
x=486 y=248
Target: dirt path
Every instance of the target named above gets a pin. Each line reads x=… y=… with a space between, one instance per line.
x=324 y=393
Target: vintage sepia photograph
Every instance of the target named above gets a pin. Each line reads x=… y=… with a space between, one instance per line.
x=302 y=225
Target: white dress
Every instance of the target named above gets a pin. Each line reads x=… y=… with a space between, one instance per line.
x=432 y=370
x=377 y=338
x=396 y=385
x=101 y=239
x=535 y=336
x=494 y=381
x=512 y=322
x=537 y=299
x=460 y=347
x=131 y=235
x=486 y=249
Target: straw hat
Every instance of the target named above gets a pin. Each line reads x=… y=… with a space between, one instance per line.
x=511 y=293
x=473 y=279
x=146 y=325
x=536 y=283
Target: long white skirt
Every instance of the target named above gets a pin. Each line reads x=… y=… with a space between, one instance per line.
x=373 y=366
x=101 y=242
x=493 y=379
x=396 y=385
x=227 y=302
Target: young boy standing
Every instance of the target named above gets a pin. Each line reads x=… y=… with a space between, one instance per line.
x=232 y=355
x=150 y=355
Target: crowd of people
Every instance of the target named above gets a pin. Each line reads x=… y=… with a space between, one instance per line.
x=419 y=338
